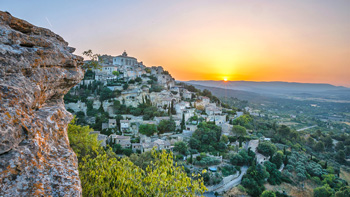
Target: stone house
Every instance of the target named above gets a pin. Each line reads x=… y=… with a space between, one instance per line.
x=189 y=113
x=112 y=123
x=96 y=104
x=136 y=146
x=190 y=127
x=239 y=114
x=181 y=106
x=76 y=107
x=175 y=138
x=124 y=141
x=156 y=70
x=211 y=110
x=205 y=100
x=105 y=126
x=103 y=139
x=162 y=144
x=226 y=128
x=124 y=125
x=187 y=94
x=158 y=119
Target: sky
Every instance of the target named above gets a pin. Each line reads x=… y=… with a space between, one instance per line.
x=294 y=41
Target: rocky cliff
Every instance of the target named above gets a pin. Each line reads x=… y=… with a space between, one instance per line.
x=37 y=68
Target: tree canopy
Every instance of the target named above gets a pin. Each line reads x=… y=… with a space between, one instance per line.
x=102 y=174
x=148 y=129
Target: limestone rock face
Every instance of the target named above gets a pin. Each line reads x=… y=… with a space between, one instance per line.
x=37 y=68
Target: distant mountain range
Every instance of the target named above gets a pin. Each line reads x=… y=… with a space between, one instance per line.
x=299 y=91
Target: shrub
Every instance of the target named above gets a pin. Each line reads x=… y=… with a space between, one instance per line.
x=314 y=169
x=316 y=179
x=228 y=170
x=324 y=191
x=207 y=161
x=266 y=148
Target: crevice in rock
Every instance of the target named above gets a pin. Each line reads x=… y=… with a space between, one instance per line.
x=27 y=72
x=29 y=45
x=5 y=152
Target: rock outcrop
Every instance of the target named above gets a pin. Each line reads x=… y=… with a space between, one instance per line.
x=37 y=68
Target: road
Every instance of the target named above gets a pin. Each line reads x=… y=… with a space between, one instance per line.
x=302 y=129
x=237 y=180
x=234 y=182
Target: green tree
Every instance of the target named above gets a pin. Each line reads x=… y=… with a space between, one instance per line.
x=166 y=126
x=148 y=129
x=245 y=121
x=125 y=86
x=138 y=79
x=94 y=62
x=239 y=130
x=104 y=176
x=283 y=131
x=105 y=94
x=183 y=124
x=116 y=73
x=275 y=175
x=324 y=191
x=207 y=138
x=339 y=146
x=340 y=156
x=266 y=148
x=343 y=192
x=254 y=180
x=319 y=147
x=268 y=193
x=277 y=159
x=82 y=142
x=328 y=142
x=224 y=139
x=180 y=147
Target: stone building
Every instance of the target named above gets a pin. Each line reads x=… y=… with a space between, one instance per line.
x=76 y=107
x=124 y=141
x=124 y=125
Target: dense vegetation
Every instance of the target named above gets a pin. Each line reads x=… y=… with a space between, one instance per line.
x=102 y=173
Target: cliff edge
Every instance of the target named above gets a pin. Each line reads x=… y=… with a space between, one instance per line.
x=37 y=68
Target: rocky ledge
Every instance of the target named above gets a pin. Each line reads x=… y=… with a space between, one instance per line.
x=37 y=68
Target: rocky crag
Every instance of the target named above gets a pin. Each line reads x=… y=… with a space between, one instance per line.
x=37 y=68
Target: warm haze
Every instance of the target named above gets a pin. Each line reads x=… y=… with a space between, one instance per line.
x=301 y=41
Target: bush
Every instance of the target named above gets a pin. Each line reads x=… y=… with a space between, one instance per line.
x=314 y=169
x=275 y=175
x=228 y=170
x=211 y=178
x=268 y=193
x=266 y=148
x=207 y=161
x=148 y=129
x=289 y=167
x=180 y=147
x=316 y=179
x=324 y=191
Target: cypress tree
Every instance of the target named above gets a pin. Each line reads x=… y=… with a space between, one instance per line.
x=183 y=122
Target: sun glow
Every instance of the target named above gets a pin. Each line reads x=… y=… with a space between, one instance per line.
x=225 y=79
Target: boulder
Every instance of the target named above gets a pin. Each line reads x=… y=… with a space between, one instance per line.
x=37 y=68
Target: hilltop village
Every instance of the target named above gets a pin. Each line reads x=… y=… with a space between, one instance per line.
x=134 y=109
x=140 y=107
